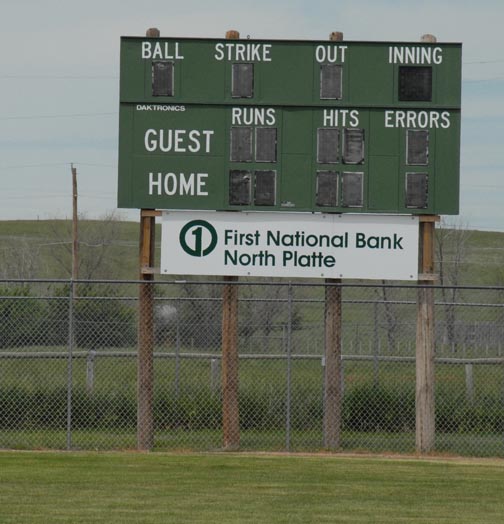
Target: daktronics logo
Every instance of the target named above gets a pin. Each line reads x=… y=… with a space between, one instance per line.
x=159 y=107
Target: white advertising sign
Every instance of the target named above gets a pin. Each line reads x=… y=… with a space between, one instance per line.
x=289 y=245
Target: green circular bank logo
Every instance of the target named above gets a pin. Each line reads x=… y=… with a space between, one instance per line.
x=198 y=238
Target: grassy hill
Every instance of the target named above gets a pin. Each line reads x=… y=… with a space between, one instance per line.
x=109 y=250
x=42 y=249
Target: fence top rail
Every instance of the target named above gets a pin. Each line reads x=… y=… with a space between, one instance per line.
x=92 y=354
x=260 y=300
x=244 y=283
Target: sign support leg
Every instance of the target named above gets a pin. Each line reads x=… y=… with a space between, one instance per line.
x=425 y=342
x=332 y=370
x=230 y=376
x=230 y=373
x=332 y=352
x=145 y=365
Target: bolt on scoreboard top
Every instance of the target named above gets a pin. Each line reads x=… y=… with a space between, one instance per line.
x=289 y=125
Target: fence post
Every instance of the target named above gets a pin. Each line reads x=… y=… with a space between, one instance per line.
x=288 y=400
x=90 y=371
x=71 y=343
x=177 y=353
x=469 y=379
x=376 y=345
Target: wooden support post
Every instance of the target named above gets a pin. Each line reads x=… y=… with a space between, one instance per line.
x=425 y=341
x=333 y=363
x=230 y=375
x=145 y=361
x=332 y=352
x=425 y=338
x=145 y=365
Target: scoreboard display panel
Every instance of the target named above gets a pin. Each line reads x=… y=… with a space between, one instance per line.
x=370 y=127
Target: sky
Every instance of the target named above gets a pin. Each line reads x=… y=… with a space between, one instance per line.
x=59 y=81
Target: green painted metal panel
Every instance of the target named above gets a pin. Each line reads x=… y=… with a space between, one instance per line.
x=383 y=189
x=195 y=114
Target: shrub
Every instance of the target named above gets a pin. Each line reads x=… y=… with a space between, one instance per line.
x=21 y=316
x=98 y=322
x=365 y=409
x=378 y=408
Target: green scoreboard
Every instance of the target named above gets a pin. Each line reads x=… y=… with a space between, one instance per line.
x=370 y=127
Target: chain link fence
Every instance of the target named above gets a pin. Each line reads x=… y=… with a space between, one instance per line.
x=68 y=367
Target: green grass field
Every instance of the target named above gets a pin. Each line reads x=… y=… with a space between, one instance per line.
x=41 y=487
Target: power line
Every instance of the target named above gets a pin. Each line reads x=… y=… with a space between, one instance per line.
x=96 y=165
x=58 y=77
x=483 y=62
x=19 y=166
x=75 y=115
x=23 y=166
x=99 y=197
x=478 y=80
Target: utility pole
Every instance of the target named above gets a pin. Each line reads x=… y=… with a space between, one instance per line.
x=75 y=229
